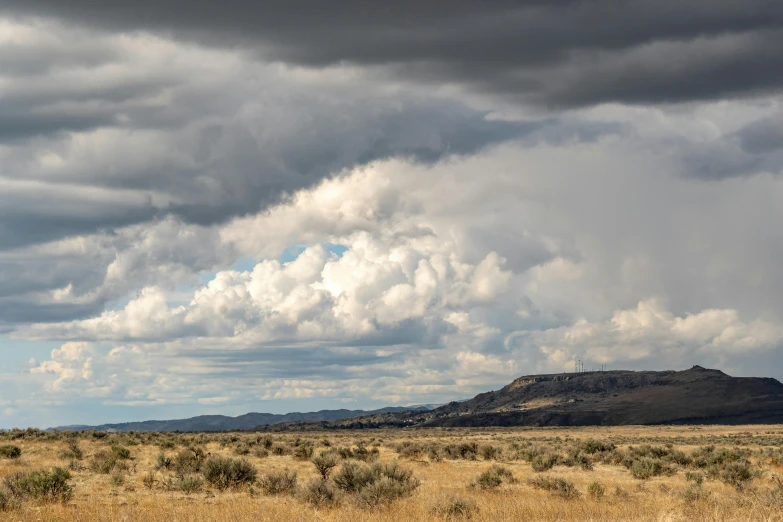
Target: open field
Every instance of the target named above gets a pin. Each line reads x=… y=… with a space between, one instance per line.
x=623 y=473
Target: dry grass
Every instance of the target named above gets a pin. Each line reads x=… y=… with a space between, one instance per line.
x=445 y=492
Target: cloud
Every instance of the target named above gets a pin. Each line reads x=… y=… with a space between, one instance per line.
x=421 y=305
x=647 y=336
x=651 y=336
x=188 y=140
x=185 y=139
x=71 y=362
x=149 y=128
x=763 y=136
x=76 y=277
x=220 y=205
x=319 y=326
x=563 y=53
x=317 y=297
x=590 y=208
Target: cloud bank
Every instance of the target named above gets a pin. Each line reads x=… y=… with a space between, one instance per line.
x=554 y=53
x=275 y=206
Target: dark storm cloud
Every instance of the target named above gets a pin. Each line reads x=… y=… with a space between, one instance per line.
x=234 y=165
x=101 y=142
x=129 y=129
x=16 y=127
x=299 y=362
x=35 y=212
x=233 y=171
x=20 y=311
x=561 y=53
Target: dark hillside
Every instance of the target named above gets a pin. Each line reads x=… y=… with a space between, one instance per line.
x=247 y=421
x=694 y=396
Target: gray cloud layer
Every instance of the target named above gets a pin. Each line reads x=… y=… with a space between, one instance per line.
x=95 y=140
x=553 y=53
x=105 y=137
x=147 y=147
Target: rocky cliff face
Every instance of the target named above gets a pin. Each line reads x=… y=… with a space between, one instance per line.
x=694 y=396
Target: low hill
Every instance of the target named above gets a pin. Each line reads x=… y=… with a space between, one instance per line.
x=247 y=421
x=611 y=398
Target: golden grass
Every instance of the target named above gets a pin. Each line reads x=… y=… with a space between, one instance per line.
x=96 y=498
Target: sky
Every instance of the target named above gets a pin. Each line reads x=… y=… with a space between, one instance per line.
x=223 y=207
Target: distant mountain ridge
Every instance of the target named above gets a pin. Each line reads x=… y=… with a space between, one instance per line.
x=607 y=398
x=247 y=421
x=611 y=398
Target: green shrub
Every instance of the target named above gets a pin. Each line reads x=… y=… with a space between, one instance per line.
x=223 y=472
x=596 y=490
x=490 y=452
x=190 y=484
x=529 y=452
x=266 y=442
x=456 y=508
x=737 y=474
x=583 y=461
x=678 y=457
x=556 y=485
x=73 y=451
x=493 y=478
x=382 y=491
x=325 y=463
x=352 y=477
x=280 y=450
x=166 y=444
x=435 y=453
x=187 y=460
x=377 y=484
x=592 y=446
x=390 y=482
x=646 y=450
x=465 y=451
x=121 y=452
x=321 y=492
x=42 y=485
x=364 y=454
x=303 y=452
x=5 y=501
x=394 y=471
x=647 y=467
x=103 y=462
x=695 y=477
x=487 y=480
x=715 y=459
x=345 y=453
x=9 y=451
x=163 y=462
x=278 y=482
x=543 y=462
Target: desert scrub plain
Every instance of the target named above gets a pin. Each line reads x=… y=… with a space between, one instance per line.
x=511 y=474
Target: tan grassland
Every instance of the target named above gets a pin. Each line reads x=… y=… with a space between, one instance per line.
x=122 y=494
